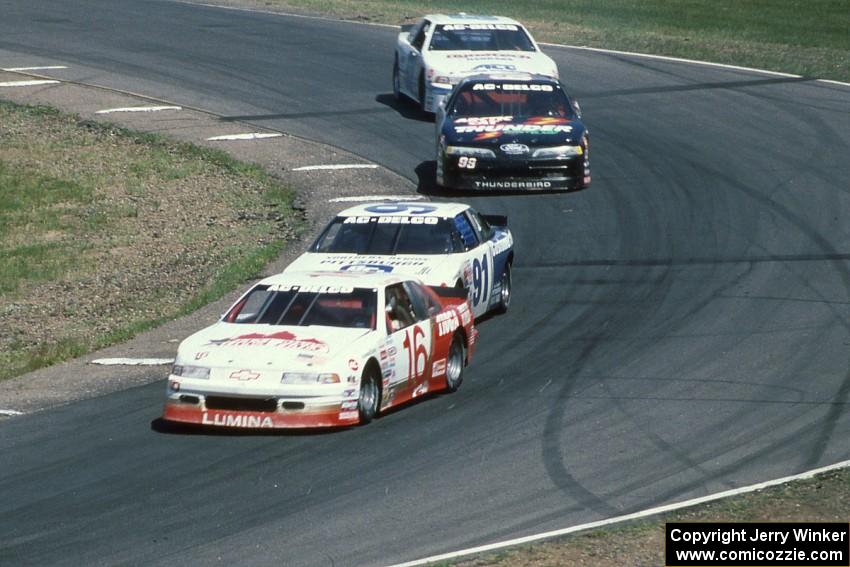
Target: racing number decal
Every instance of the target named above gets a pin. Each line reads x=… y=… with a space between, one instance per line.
x=417 y=354
x=465 y=162
x=480 y=280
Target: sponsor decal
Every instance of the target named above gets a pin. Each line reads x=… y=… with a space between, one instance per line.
x=495 y=67
x=352 y=379
x=411 y=209
x=462 y=27
x=543 y=125
x=348 y=405
x=512 y=87
x=312 y=288
x=348 y=414
x=352 y=364
x=391 y=220
x=421 y=389
x=280 y=339
x=200 y=355
x=244 y=375
x=348 y=393
x=236 y=420
x=515 y=149
x=439 y=367
x=513 y=184
x=483 y=120
x=383 y=354
x=502 y=244
x=392 y=351
x=465 y=315
x=482 y=56
x=446 y=322
x=388 y=261
x=366 y=268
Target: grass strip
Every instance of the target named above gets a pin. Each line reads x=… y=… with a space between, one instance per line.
x=106 y=232
x=806 y=38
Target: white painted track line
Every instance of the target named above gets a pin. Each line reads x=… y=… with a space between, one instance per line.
x=367 y=198
x=673 y=59
x=30 y=83
x=138 y=109
x=10 y=412
x=249 y=136
x=43 y=68
x=619 y=519
x=132 y=361
x=336 y=167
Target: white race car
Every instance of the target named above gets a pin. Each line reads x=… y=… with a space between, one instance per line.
x=321 y=350
x=438 y=51
x=444 y=244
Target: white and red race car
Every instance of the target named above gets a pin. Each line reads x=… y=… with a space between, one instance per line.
x=443 y=244
x=321 y=349
x=434 y=54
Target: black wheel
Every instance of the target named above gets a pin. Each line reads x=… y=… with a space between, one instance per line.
x=454 y=364
x=370 y=396
x=396 y=81
x=505 y=291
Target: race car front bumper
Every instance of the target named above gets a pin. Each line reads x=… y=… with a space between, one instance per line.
x=515 y=175
x=257 y=411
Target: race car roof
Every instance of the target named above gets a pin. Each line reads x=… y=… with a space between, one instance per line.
x=395 y=209
x=335 y=279
x=462 y=18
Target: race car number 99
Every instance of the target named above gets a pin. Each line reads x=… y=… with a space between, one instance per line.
x=466 y=162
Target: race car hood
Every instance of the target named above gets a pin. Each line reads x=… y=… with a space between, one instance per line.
x=458 y=63
x=405 y=264
x=498 y=130
x=267 y=347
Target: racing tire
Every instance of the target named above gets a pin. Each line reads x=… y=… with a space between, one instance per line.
x=396 y=81
x=454 y=364
x=368 y=401
x=505 y=290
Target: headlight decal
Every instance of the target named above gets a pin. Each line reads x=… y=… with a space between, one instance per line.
x=200 y=372
x=470 y=151
x=558 y=152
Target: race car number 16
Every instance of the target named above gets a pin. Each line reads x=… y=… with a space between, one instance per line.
x=417 y=354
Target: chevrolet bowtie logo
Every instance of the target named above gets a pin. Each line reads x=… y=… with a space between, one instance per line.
x=244 y=375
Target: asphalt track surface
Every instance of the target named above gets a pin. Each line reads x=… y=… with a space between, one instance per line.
x=678 y=329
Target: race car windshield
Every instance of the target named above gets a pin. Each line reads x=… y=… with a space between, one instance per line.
x=515 y=100
x=388 y=236
x=480 y=37
x=302 y=307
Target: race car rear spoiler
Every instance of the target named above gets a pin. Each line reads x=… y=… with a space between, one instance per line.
x=496 y=220
x=452 y=292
